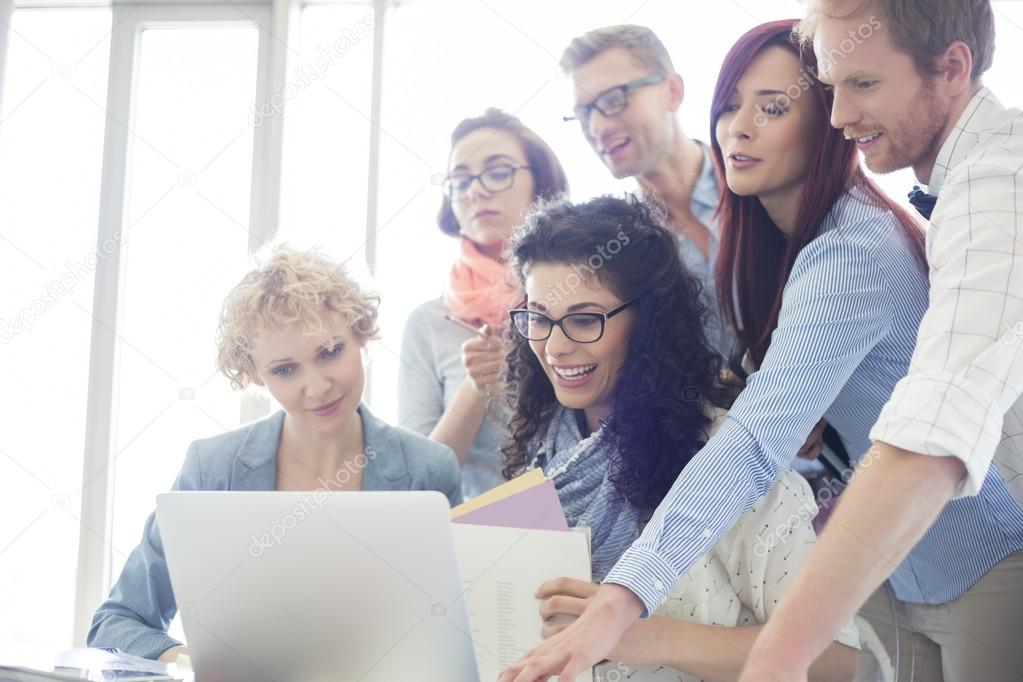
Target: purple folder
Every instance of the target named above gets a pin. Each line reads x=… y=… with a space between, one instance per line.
x=537 y=507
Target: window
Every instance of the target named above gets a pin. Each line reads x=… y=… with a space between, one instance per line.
x=51 y=151
x=327 y=129
x=185 y=242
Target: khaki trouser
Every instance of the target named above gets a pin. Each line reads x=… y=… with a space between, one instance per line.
x=975 y=638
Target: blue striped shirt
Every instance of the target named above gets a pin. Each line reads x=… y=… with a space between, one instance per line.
x=845 y=335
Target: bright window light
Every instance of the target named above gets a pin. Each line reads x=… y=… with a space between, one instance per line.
x=51 y=153
x=186 y=243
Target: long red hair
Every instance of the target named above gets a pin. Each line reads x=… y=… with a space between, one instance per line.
x=754 y=257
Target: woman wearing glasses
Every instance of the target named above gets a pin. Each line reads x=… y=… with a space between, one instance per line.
x=497 y=168
x=615 y=388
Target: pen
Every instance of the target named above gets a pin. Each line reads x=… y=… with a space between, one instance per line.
x=464 y=325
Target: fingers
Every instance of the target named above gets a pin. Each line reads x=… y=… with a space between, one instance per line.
x=536 y=665
x=482 y=358
x=483 y=345
x=487 y=376
x=551 y=630
x=556 y=656
x=814 y=444
x=560 y=605
x=567 y=586
x=485 y=366
x=535 y=669
x=811 y=450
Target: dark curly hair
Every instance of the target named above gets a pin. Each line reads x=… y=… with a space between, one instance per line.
x=658 y=415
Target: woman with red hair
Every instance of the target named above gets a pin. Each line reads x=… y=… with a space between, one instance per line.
x=825 y=281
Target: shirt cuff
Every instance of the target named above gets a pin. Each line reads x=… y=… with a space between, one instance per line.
x=647 y=574
x=943 y=415
x=150 y=644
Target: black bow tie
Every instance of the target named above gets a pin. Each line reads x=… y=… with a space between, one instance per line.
x=922 y=201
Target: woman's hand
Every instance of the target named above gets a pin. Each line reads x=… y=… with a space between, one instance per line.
x=483 y=357
x=814 y=444
x=171 y=654
x=584 y=643
x=640 y=645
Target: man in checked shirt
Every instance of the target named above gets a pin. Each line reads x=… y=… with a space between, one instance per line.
x=907 y=80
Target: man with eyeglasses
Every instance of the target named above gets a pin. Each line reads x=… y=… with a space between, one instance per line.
x=627 y=94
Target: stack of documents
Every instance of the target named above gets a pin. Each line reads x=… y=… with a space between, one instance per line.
x=509 y=541
x=95 y=664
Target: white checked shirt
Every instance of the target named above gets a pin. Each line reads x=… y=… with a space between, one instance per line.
x=961 y=397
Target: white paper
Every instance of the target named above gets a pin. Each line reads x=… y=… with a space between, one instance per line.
x=501 y=570
x=100 y=659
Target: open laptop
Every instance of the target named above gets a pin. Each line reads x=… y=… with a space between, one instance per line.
x=316 y=586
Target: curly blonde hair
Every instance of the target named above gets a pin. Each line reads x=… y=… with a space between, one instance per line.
x=292 y=287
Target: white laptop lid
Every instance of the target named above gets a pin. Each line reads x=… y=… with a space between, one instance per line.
x=310 y=586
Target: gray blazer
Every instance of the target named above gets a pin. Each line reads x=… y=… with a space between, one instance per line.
x=141 y=605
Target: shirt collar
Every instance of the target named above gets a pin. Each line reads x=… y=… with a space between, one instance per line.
x=982 y=109
x=707 y=192
x=384 y=453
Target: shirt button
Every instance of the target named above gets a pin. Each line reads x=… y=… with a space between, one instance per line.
x=658 y=585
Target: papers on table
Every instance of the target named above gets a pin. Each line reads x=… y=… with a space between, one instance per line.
x=96 y=664
x=105 y=659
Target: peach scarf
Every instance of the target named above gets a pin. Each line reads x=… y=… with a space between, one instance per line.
x=480 y=288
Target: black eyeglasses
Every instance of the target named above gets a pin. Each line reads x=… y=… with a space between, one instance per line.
x=579 y=327
x=612 y=102
x=496 y=178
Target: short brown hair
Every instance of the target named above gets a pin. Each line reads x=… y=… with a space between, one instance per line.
x=549 y=179
x=923 y=29
x=639 y=41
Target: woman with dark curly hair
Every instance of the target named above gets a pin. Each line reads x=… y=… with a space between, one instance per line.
x=615 y=388
x=661 y=378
